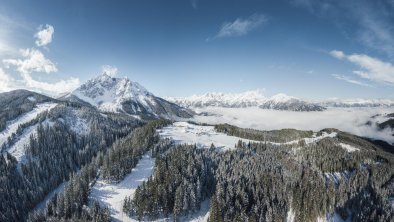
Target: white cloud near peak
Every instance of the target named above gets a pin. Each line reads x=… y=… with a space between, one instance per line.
x=59 y=87
x=370 y=68
x=241 y=26
x=33 y=61
x=109 y=70
x=44 y=35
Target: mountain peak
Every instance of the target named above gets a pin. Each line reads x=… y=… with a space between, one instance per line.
x=281 y=97
x=111 y=94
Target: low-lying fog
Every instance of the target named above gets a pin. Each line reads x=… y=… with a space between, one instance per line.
x=352 y=120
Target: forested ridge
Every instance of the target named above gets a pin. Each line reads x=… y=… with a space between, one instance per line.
x=53 y=154
x=278 y=136
x=113 y=164
x=266 y=182
x=18 y=102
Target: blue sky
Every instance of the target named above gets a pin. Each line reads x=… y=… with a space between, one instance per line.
x=310 y=49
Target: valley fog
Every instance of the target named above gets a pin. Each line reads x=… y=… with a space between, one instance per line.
x=352 y=120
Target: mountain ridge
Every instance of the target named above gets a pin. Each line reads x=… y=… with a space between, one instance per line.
x=279 y=101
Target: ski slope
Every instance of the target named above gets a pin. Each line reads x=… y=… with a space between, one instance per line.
x=13 y=125
x=112 y=195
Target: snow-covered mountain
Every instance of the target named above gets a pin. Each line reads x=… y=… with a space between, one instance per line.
x=246 y=99
x=357 y=102
x=122 y=95
x=284 y=102
x=231 y=100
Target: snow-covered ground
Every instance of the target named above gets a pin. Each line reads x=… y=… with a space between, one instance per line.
x=348 y=147
x=12 y=126
x=352 y=120
x=112 y=195
x=202 y=136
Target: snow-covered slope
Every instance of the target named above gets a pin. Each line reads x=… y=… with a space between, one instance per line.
x=122 y=95
x=246 y=99
x=113 y=195
x=12 y=126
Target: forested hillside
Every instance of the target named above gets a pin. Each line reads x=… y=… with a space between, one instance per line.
x=344 y=176
x=112 y=165
x=17 y=102
x=65 y=139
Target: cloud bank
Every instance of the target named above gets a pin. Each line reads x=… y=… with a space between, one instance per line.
x=352 y=120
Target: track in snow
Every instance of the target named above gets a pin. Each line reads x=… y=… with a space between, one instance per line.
x=112 y=195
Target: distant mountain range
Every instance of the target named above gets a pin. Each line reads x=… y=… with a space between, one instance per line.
x=246 y=99
x=335 y=102
x=277 y=102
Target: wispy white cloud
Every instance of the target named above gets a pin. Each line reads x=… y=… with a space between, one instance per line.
x=369 y=68
x=44 y=35
x=368 y=22
x=8 y=26
x=33 y=61
x=109 y=70
x=350 y=80
x=241 y=26
x=337 y=54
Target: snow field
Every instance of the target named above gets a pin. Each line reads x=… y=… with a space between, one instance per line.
x=202 y=136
